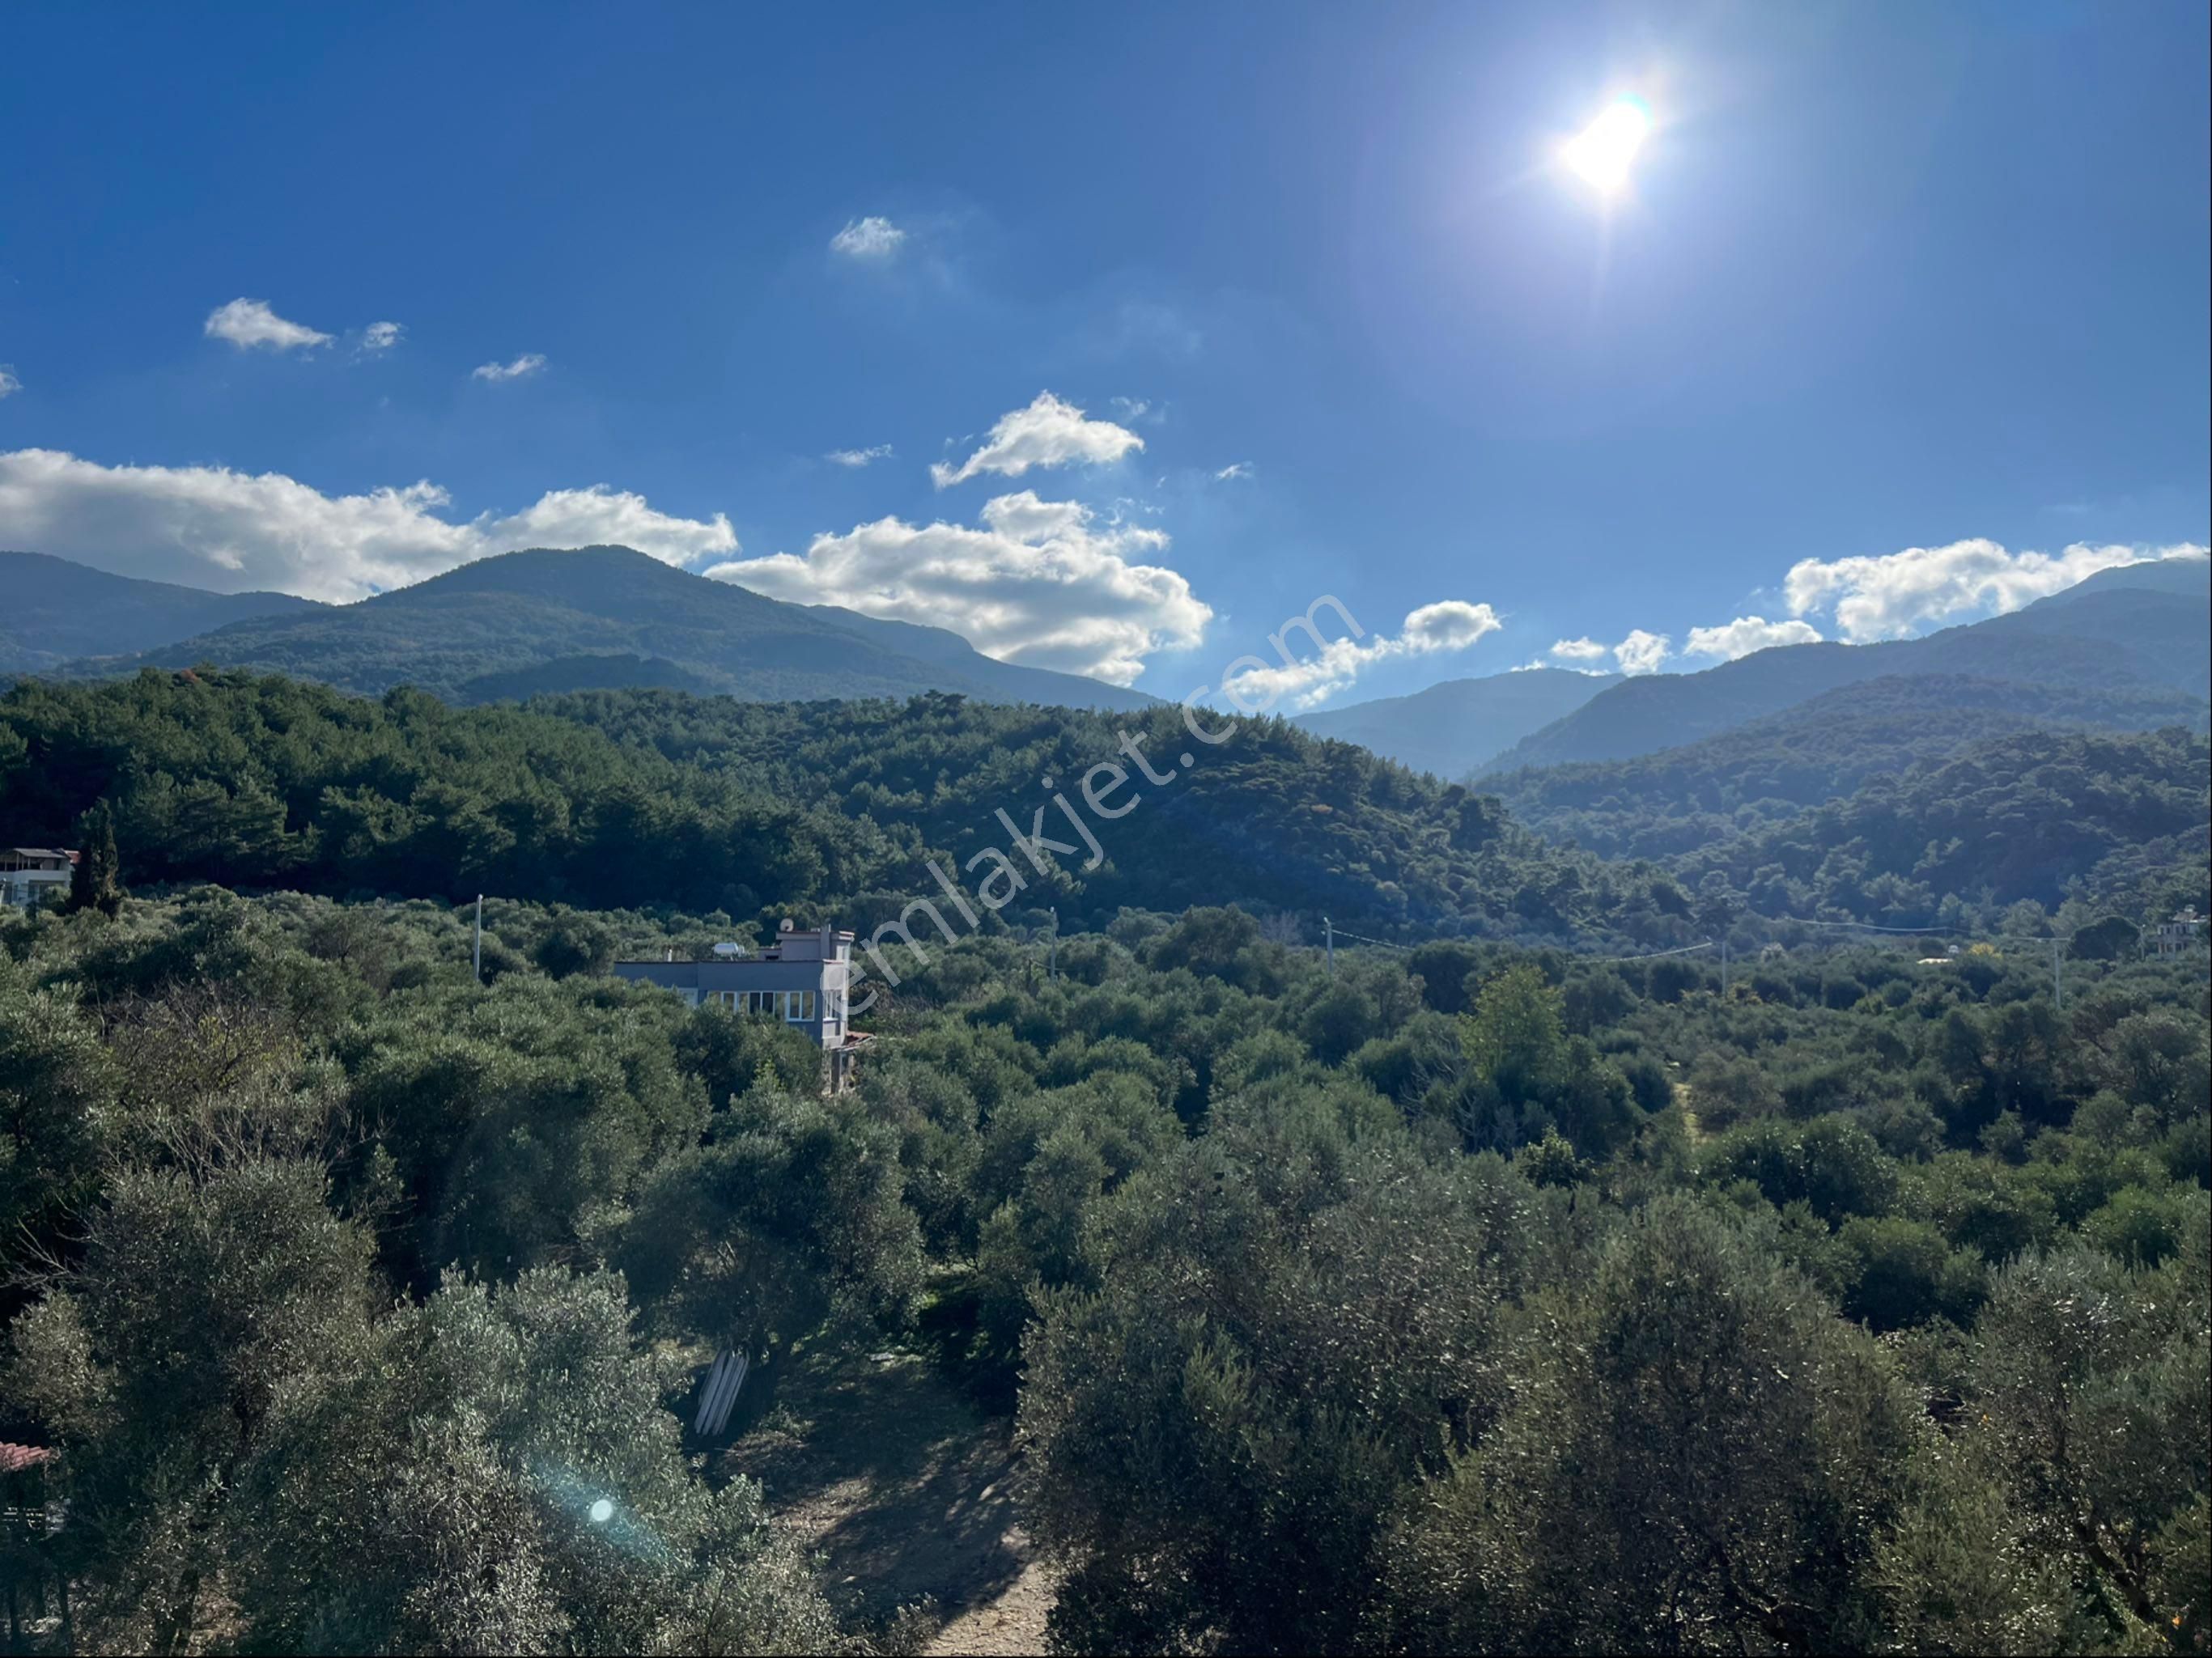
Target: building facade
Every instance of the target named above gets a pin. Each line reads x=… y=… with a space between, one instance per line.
x=2180 y=935
x=803 y=979
x=28 y=874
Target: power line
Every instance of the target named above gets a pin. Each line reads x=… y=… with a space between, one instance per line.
x=1386 y=944
x=1653 y=955
x=1862 y=926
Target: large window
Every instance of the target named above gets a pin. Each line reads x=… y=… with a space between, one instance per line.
x=792 y=1006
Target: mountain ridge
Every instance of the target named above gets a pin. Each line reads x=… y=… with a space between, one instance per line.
x=59 y=610
x=557 y=619
x=1680 y=799
x=1453 y=726
x=2118 y=635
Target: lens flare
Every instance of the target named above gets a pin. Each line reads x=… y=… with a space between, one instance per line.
x=602 y=1511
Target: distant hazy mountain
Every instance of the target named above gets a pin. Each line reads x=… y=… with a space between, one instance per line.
x=601 y=618
x=1683 y=799
x=1452 y=728
x=55 y=611
x=2143 y=626
x=2191 y=577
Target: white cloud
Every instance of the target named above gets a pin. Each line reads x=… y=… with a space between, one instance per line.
x=248 y=323
x=381 y=336
x=1747 y=634
x=858 y=458
x=8 y=384
x=1235 y=469
x=1040 y=583
x=1131 y=408
x=1641 y=651
x=528 y=363
x=1048 y=433
x=872 y=238
x=1450 y=624
x=1897 y=593
x=600 y=517
x=210 y=526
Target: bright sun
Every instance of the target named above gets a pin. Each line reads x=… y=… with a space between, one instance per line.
x=1601 y=152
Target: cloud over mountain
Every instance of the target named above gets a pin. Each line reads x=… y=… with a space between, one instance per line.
x=210 y=526
x=1039 y=582
x=1450 y=624
x=1889 y=596
x=1747 y=634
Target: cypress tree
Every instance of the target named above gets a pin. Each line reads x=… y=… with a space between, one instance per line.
x=96 y=882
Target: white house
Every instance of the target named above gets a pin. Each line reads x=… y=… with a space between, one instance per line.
x=28 y=874
x=803 y=979
x=2180 y=935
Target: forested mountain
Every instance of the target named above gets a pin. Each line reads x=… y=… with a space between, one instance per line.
x=2017 y=817
x=1680 y=799
x=660 y=798
x=58 y=610
x=550 y=620
x=2118 y=635
x=1452 y=728
x=640 y=797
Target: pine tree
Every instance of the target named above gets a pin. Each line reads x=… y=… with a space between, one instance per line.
x=96 y=882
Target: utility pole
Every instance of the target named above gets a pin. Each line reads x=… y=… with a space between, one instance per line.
x=1328 y=938
x=477 y=961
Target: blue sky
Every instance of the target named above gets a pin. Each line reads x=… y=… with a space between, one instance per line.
x=1900 y=296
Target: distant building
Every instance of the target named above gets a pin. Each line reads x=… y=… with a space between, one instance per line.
x=2180 y=935
x=27 y=874
x=803 y=979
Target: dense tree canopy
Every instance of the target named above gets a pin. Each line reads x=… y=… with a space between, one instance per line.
x=1544 y=1304
x=1464 y=1289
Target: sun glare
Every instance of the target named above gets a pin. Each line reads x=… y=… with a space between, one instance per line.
x=1602 y=152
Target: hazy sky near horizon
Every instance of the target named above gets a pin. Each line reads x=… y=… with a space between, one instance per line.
x=1111 y=339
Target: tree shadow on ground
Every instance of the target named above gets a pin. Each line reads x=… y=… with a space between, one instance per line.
x=886 y=1469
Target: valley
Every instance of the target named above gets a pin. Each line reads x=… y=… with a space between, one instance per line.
x=1201 y=1251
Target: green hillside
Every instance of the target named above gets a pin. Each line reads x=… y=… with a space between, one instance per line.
x=659 y=797
x=2019 y=818
x=1680 y=799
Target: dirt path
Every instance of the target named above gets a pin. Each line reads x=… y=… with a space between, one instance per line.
x=904 y=1487
x=1012 y=1624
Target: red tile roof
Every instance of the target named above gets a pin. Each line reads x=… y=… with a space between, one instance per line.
x=14 y=1459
